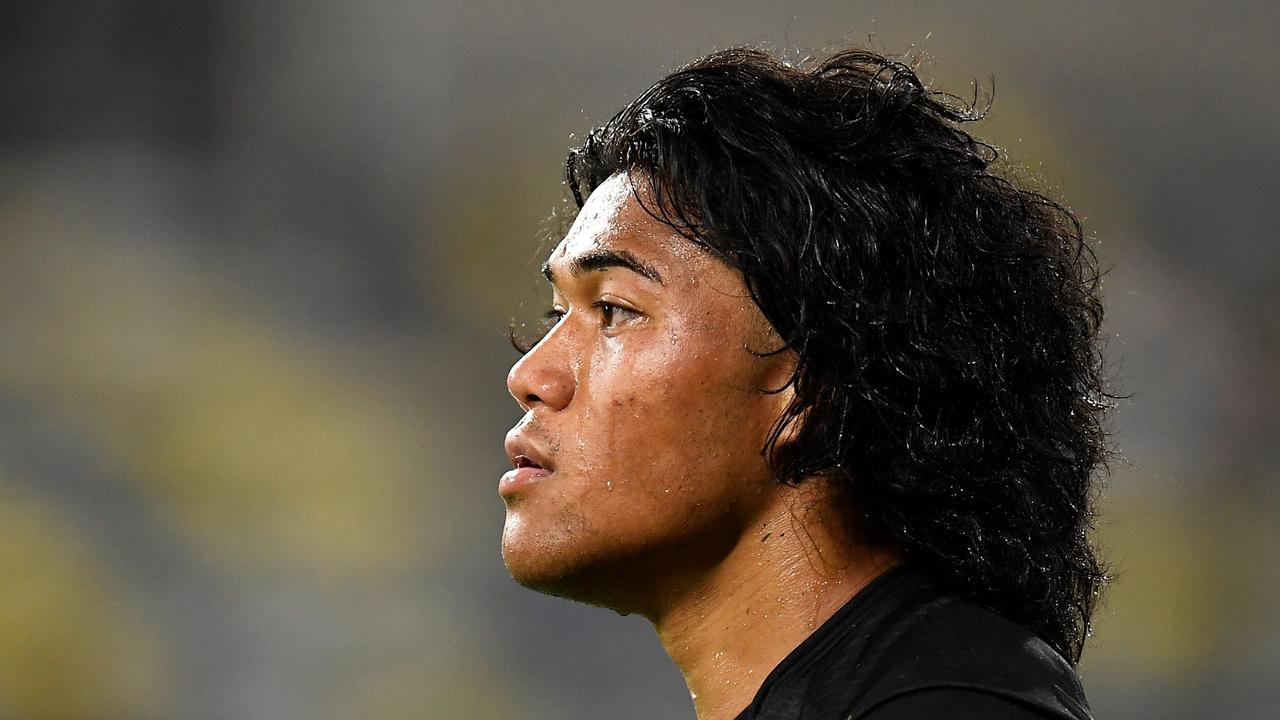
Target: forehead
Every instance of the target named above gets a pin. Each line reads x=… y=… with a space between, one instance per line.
x=614 y=219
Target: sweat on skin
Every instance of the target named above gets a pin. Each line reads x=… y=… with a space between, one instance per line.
x=640 y=483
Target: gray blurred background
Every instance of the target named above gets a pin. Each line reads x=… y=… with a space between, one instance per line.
x=256 y=265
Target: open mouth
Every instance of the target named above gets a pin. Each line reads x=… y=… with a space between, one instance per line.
x=529 y=465
x=525 y=473
x=522 y=461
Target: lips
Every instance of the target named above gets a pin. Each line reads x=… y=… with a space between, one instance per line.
x=529 y=464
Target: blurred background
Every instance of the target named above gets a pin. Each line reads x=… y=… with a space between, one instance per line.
x=256 y=265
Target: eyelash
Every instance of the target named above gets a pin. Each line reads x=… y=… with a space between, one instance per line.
x=607 y=311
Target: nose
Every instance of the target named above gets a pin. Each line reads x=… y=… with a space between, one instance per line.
x=542 y=377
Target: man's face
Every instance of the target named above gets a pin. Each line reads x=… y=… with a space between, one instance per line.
x=638 y=460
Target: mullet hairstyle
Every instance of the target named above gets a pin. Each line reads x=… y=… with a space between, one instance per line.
x=945 y=321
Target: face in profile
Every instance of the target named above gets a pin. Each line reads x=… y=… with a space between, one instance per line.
x=638 y=462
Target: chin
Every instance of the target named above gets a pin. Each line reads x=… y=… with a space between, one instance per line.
x=578 y=584
x=554 y=568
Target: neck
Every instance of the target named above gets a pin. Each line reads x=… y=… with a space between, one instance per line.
x=795 y=565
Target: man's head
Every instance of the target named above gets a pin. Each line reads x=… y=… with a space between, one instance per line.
x=934 y=324
x=647 y=404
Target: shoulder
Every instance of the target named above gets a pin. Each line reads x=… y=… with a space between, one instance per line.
x=904 y=649
x=951 y=703
x=950 y=644
x=933 y=650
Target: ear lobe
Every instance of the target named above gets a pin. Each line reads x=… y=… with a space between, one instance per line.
x=779 y=383
x=780 y=444
x=786 y=427
x=787 y=430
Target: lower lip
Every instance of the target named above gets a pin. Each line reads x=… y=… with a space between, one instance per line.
x=514 y=480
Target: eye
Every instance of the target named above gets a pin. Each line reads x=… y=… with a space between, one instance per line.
x=523 y=340
x=551 y=318
x=611 y=315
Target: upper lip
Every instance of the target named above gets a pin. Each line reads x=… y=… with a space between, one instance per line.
x=523 y=452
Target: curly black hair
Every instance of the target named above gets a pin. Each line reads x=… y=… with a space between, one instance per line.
x=945 y=319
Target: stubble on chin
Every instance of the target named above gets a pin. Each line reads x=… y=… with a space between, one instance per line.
x=544 y=553
x=571 y=559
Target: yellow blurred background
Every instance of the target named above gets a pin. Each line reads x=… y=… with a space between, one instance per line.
x=256 y=266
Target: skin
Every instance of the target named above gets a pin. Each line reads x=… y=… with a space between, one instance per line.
x=646 y=408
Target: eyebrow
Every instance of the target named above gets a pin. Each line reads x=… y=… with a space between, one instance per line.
x=604 y=259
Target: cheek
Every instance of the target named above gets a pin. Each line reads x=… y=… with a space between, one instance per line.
x=673 y=419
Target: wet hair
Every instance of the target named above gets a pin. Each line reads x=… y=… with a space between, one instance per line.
x=944 y=319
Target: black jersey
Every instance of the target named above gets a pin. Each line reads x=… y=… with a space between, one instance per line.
x=902 y=649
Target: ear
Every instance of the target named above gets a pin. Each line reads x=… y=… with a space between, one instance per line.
x=777 y=375
x=790 y=429
x=782 y=394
